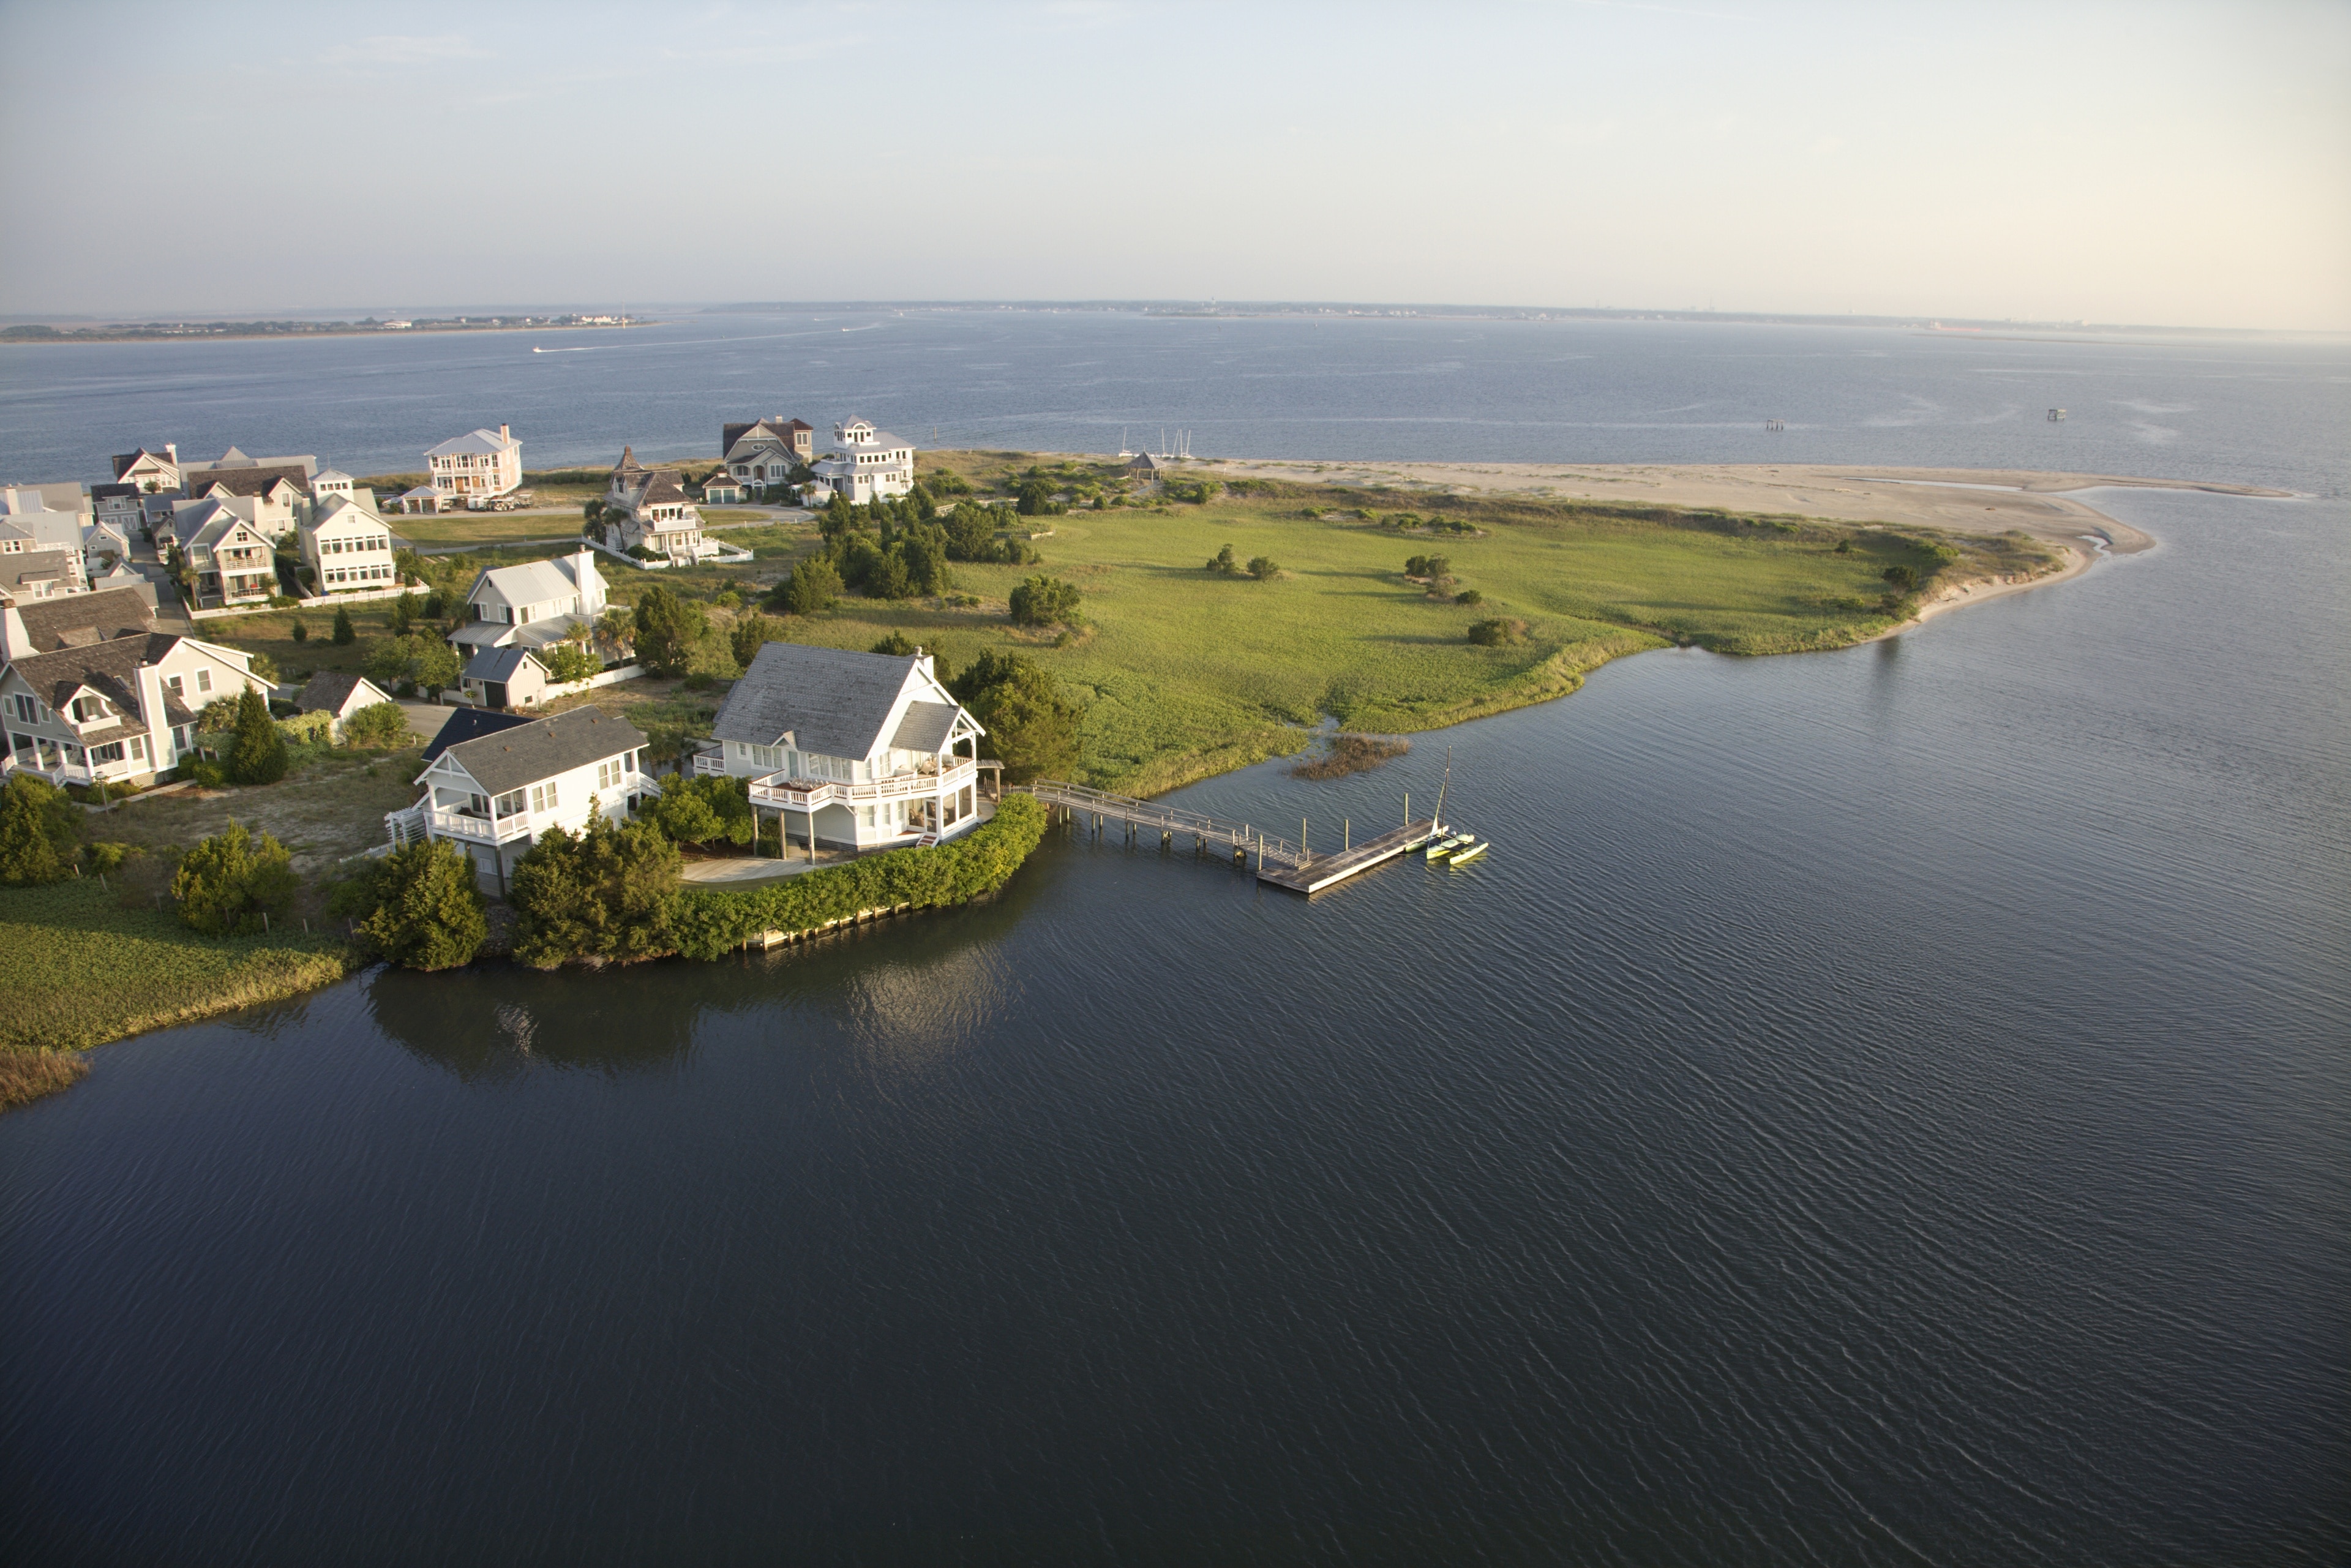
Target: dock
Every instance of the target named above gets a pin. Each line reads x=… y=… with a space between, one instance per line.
x=1314 y=874
x=1279 y=863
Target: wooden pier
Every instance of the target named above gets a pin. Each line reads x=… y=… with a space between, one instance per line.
x=1278 y=861
x=1320 y=871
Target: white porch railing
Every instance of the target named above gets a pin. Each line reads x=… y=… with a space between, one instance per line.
x=803 y=794
x=446 y=823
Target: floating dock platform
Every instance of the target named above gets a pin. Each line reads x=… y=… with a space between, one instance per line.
x=1314 y=874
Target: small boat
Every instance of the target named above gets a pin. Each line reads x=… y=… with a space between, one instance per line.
x=1469 y=851
x=1441 y=847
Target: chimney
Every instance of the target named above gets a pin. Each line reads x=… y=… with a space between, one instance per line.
x=504 y=434
x=151 y=714
x=16 y=641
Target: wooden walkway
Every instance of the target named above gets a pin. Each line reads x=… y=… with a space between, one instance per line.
x=1322 y=871
x=1278 y=861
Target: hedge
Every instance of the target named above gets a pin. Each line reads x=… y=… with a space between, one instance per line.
x=713 y=921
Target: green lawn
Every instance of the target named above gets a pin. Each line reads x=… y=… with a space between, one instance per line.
x=78 y=967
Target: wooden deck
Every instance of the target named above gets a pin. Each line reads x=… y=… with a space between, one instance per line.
x=1081 y=804
x=1321 y=871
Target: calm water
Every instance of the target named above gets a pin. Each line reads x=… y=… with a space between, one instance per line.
x=1888 y=1106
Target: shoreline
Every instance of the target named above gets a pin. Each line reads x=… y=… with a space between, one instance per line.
x=69 y=338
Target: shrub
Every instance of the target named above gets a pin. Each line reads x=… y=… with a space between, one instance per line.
x=712 y=921
x=344 y=633
x=1904 y=577
x=258 y=755
x=1436 y=567
x=813 y=588
x=749 y=634
x=1469 y=596
x=231 y=882
x=607 y=895
x=104 y=857
x=667 y=629
x=1036 y=499
x=264 y=668
x=1263 y=568
x=403 y=614
x=316 y=728
x=208 y=774
x=1042 y=600
x=299 y=630
x=1031 y=728
x=1225 y=563
x=896 y=645
x=570 y=661
x=417 y=906
x=38 y=824
x=377 y=727
x=1499 y=632
x=703 y=811
x=1844 y=547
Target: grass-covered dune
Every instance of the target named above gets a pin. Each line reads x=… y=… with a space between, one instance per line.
x=1188 y=673
x=78 y=967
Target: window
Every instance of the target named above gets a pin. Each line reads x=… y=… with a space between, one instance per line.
x=87 y=708
x=138 y=748
x=542 y=797
x=172 y=685
x=110 y=752
x=204 y=680
x=27 y=708
x=508 y=805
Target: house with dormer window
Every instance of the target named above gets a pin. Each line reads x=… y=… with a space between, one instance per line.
x=273 y=500
x=864 y=465
x=535 y=605
x=228 y=561
x=646 y=508
x=493 y=795
x=865 y=751
x=766 y=451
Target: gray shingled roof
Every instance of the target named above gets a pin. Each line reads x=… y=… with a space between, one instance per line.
x=832 y=702
x=466 y=723
x=328 y=690
x=925 y=727
x=514 y=759
x=111 y=668
x=498 y=664
x=115 y=613
x=246 y=481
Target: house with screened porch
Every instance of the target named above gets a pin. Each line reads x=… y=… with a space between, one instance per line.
x=492 y=795
x=861 y=751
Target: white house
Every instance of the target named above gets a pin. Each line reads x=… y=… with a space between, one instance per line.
x=230 y=560
x=534 y=605
x=864 y=465
x=507 y=677
x=866 y=750
x=475 y=466
x=348 y=547
x=45 y=518
x=117 y=506
x=149 y=473
x=92 y=693
x=493 y=795
x=232 y=460
x=328 y=483
x=340 y=693
x=273 y=500
x=647 y=509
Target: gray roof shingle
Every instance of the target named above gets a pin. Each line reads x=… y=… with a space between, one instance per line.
x=925 y=727
x=114 y=613
x=528 y=753
x=832 y=701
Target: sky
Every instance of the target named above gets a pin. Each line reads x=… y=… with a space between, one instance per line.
x=2182 y=164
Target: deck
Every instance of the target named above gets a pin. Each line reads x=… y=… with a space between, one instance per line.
x=1279 y=862
x=1322 y=871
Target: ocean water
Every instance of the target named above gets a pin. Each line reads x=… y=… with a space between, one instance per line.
x=1887 y=1106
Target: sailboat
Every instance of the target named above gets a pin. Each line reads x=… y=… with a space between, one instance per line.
x=1440 y=843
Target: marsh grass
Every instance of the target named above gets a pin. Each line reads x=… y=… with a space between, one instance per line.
x=77 y=968
x=1349 y=753
x=26 y=1075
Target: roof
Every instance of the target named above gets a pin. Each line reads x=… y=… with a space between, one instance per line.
x=333 y=476
x=126 y=461
x=479 y=442
x=1143 y=460
x=543 y=748
x=246 y=481
x=107 y=492
x=532 y=582
x=661 y=487
x=110 y=668
x=500 y=663
x=536 y=635
x=233 y=459
x=420 y=493
x=32 y=568
x=925 y=727
x=830 y=700
x=59 y=497
x=330 y=691
x=113 y=612
x=628 y=463
x=466 y=723
x=345 y=509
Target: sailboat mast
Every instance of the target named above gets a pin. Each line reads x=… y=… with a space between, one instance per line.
x=1436 y=822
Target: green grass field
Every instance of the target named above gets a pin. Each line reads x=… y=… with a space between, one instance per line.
x=79 y=968
x=1186 y=673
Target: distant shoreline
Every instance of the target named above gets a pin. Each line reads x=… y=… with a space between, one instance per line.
x=65 y=335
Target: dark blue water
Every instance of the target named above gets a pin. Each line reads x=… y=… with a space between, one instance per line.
x=1888 y=1106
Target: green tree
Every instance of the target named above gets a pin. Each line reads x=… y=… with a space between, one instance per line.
x=1263 y=569
x=394 y=660
x=1042 y=600
x=1036 y=498
x=896 y=645
x=1031 y=727
x=813 y=588
x=607 y=894
x=345 y=633
x=704 y=809
x=376 y=726
x=299 y=630
x=1499 y=632
x=667 y=629
x=39 y=823
x=404 y=616
x=226 y=884
x=570 y=661
x=258 y=755
x=418 y=906
x=1225 y=562
x=437 y=668
x=1904 y=577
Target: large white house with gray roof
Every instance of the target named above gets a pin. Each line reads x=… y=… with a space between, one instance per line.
x=864 y=465
x=493 y=796
x=534 y=605
x=863 y=751
x=475 y=466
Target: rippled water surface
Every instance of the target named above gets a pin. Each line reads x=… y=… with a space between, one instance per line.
x=1887 y=1106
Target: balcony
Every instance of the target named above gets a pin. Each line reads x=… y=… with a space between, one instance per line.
x=447 y=822
x=775 y=789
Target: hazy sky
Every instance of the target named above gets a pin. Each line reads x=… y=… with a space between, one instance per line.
x=2130 y=162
